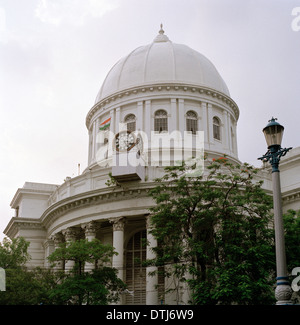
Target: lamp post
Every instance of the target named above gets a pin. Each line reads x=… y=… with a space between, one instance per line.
x=273 y=133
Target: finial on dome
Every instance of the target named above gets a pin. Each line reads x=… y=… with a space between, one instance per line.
x=161 y=31
x=161 y=37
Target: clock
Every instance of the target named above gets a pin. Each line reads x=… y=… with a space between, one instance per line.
x=125 y=141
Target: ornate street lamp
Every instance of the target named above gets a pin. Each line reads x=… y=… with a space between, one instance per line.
x=273 y=133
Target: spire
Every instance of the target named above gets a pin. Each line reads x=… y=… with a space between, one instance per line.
x=161 y=37
x=161 y=31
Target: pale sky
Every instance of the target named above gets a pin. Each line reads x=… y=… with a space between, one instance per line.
x=55 y=54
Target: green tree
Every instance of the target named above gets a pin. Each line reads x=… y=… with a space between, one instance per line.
x=101 y=286
x=291 y=221
x=214 y=233
x=23 y=287
x=13 y=253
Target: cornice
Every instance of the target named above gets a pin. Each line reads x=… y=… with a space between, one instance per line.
x=22 y=191
x=94 y=197
x=16 y=224
x=161 y=88
x=291 y=196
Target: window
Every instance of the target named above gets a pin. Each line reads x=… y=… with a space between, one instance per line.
x=161 y=121
x=130 y=121
x=135 y=270
x=191 y=122
x=216 y=128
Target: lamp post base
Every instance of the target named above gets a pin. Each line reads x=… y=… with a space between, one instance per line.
x=283 y=295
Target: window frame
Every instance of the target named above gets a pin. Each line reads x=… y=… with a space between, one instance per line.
x=161 y=121
x=192 y=121
x=216 y=128
x=130 y=120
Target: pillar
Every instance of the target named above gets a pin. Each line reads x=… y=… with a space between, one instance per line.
x=70 y=236
x=117 y=120
x=149 y=122
x=210 y=123
x=181 y=117
x=139 y=116
x=49 y=249
x=118 y=244
x=90 y=230
x=57 y=240
x=151 y=280
x=205 y=123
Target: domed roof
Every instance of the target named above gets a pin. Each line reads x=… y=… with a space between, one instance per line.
x=162 y=61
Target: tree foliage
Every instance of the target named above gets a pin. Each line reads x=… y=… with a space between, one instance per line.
x=216 y=228
x=99 y=287
x=291 y=221
x=49 y=286
x=13 y=253
x=22 y=286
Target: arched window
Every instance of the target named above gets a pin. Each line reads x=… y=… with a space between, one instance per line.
x=130 y=121
x=135 y=271
x=216 y=128
x=161 y=121
x=191 y=122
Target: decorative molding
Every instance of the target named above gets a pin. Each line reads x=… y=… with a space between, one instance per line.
x=70 y=234
x=16 y=224
x=90 y=228
x=294 y=196
x=118 y=223
x=57 y=238
x=89 y=198
x=159 y=88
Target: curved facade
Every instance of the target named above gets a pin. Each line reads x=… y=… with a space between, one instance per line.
x=157 y=89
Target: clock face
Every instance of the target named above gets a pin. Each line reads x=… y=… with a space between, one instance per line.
x=125 y=140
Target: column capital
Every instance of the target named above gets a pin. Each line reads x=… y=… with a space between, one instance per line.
x=118 y=223
x=48 y=242
x=57 y=238
x=70 y=234
x=149 y=224
x=90 y=228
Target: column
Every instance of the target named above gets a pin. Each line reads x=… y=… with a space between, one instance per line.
x=118 y=120
x=181 y=116
x=205 y=125
x=225 y=128
x=235 y=148
x=112 y=121
x=90 y=230
x=49 y=249
x=70 y=236
x=149 y=121
x=139 y=116
x=151 y=280
x=210 y=123
x=118 y=244
x=173 y=120
x=57 y=240
x=90 y=146
x=94 y=132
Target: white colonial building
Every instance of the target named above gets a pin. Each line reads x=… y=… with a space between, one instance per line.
x=159 y=89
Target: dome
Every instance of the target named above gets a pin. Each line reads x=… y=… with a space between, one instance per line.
x=162 y=61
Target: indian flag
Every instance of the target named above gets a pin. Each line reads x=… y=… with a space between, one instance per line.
x=104 y=125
